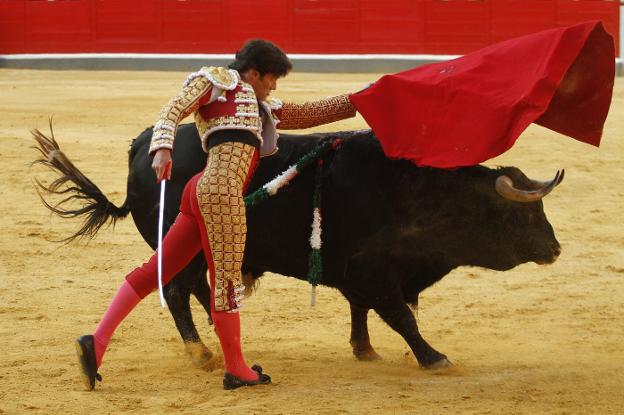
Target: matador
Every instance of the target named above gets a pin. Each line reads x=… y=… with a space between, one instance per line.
x=237 y=123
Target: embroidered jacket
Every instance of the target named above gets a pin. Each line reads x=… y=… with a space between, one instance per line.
x=220 y=100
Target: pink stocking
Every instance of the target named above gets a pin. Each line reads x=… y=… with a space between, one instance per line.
x=125 y=300
x=228 y=330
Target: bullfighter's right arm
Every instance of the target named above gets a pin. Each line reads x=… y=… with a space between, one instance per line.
x=311 y=114
x=194 y=92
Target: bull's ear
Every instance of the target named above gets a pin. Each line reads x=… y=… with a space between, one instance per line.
x=505 y=187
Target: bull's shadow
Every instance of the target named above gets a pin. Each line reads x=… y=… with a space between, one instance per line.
x=390 y=229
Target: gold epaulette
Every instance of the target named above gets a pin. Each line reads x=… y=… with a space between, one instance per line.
x=220 y=77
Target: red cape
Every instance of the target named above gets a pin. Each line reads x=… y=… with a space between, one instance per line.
x=467 y=110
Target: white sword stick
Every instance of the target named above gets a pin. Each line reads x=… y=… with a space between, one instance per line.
x=161 y=214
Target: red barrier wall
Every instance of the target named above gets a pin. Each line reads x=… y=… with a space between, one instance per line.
x=299 y=26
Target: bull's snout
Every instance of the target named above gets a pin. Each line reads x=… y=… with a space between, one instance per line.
x=554 y=250
x=550 y=254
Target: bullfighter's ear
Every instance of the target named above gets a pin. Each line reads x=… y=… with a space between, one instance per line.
x=250 y=74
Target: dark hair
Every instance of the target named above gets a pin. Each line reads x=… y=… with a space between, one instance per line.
x=263 y=56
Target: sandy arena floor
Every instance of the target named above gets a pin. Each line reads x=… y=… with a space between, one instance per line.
x=534 y=340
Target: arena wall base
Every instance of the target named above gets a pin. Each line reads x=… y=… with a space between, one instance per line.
x=158 y=62
x=154 y=62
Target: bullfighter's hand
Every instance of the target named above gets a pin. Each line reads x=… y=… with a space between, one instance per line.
x=162 y=164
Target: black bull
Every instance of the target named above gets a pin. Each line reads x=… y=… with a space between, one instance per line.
x=390 y=229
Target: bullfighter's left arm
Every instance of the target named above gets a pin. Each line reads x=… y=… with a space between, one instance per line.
x=310 y=114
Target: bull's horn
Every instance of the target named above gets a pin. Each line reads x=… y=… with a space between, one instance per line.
x=504 y=187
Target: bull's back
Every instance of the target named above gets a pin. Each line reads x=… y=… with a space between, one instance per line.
x=355 y=188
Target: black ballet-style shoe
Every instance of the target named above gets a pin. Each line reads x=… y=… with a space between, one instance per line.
x=232 y=382
x=85 y=350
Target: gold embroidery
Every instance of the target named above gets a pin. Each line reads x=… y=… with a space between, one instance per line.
x=205 y=128
x=183 y=104
x=220 y=198
x=230 y=121
x=245 y=96
x=247 y=108
x=311 y=114
x=247 y=87
x=201 y=124
x=222 y=77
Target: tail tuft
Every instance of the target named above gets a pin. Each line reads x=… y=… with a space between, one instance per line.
x=74 y=188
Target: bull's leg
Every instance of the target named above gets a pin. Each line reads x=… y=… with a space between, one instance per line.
x=360 y=341
x=177 y=294
x=201 y=291
x=400 y=318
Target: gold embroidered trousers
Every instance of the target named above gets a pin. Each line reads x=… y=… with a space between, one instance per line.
x=220 y=200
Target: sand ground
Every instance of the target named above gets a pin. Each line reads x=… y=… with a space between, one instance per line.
x=536 y=339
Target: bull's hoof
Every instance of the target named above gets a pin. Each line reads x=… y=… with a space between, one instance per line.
x=364 y=353
x=368 y=355
x=443 y=363
x=201 y=357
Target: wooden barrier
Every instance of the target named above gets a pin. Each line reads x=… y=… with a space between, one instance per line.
x=299 y=26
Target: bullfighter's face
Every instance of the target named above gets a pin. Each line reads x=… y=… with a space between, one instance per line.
x=261 y=84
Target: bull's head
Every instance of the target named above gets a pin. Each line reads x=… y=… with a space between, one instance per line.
x=524 y=221
x=491 y=218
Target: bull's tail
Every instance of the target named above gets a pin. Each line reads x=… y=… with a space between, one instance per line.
x=74 y=187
